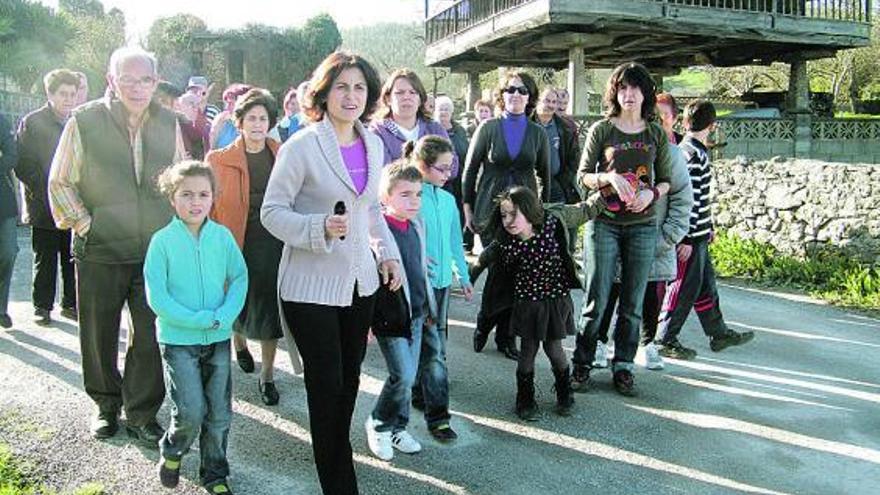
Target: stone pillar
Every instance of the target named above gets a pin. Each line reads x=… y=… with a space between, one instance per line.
x=798 y=107
x=473 y=90
x=577 y=82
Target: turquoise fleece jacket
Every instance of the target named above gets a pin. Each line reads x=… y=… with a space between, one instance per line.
x=191 y=283
x=444 y=243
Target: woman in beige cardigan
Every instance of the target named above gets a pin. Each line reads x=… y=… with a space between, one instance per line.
x=328 y=273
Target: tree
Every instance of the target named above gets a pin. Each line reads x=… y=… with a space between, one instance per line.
x=91 y=8
x=94 y=40
x=31 y=36
x=172 y=40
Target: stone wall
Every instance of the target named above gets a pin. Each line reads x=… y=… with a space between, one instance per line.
x=798 y=204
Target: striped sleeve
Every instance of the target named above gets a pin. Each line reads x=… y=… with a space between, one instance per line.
x=67 y=207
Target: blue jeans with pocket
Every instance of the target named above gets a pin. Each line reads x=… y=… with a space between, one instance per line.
x=199 y=380
x=433 y=376
x=391 y=412
x=604 y=243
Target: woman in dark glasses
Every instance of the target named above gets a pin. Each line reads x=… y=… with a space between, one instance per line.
x=505 y=151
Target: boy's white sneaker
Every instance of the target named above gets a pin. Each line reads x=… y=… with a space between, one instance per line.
x=649 y=357
x=405 y=442
x=601 y=358
x=378 y=441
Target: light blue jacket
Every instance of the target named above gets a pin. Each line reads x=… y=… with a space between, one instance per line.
x=191 y=283
x=444 y=243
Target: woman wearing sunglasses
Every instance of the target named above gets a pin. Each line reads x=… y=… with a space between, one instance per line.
x=505 y=151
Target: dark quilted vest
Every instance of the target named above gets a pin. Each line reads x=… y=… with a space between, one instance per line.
x=125 y=214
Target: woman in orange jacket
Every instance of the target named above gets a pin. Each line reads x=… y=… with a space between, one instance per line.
x=242 y=171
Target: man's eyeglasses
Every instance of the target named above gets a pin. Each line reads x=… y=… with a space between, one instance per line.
x=129 y=81
x=444 y=171
x=516 y=89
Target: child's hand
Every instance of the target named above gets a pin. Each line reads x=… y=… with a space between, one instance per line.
x=684 y=252
x=468 y=290
x=390 y=271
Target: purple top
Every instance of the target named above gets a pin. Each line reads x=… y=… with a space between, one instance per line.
x=355 y=158
x=393 y=140
x=514 y=127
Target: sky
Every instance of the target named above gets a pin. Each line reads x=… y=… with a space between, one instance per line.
x=140 y=14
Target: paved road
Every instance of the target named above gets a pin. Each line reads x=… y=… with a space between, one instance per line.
x=796 y=411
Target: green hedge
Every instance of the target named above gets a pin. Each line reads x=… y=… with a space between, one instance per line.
x=830 y=274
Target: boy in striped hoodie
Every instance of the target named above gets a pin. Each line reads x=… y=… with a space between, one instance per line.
x=694 y=286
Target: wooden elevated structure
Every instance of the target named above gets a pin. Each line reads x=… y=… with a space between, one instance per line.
x=479 y=35
x=475 y=36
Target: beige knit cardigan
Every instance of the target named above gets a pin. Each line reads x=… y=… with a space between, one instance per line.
x=308 y=178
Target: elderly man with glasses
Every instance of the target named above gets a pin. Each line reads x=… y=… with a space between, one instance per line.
x=102 y=185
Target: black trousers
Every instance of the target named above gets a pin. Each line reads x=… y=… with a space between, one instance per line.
x=332 y=342
x=50 y=247
x=102 y=291
x=694 y=288
x=651 y=307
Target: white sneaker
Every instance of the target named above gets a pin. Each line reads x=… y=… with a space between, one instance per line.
x=405 y=442
x=378 y=441
x=601 y=358
x=649 y=357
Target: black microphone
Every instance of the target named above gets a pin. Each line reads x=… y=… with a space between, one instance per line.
x=339 y=209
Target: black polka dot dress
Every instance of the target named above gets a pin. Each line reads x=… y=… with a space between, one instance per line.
x=542 y=308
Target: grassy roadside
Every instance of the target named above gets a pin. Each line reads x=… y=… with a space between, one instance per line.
x=19 y=477
x=829 y=275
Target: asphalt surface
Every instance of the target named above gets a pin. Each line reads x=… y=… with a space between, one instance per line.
x=795 y=411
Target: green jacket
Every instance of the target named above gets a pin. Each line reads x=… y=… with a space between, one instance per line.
x=196 y=287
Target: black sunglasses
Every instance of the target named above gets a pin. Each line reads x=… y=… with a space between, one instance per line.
x=516 y=89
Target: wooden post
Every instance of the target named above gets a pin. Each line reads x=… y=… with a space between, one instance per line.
x=473 y=90
x=577 y=82
x=798 y=102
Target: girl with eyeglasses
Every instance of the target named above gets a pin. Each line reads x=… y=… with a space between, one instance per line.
x=505 y=151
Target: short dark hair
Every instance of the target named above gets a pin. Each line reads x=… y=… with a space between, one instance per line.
x=255 y=97
x=169 y=89
x=631 y=74
x=327 y=72
x=527 y=81
x=399 y=170
x=427 y=149
x=699 y=115
x=385 y=95
x=54 y=79
x=525 y=200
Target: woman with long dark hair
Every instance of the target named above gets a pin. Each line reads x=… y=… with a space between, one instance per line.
x=626 y=158
x=322 y=201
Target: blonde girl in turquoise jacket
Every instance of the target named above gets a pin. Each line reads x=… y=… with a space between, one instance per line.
x=196 y=283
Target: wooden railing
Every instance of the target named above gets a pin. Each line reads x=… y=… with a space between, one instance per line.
x=465 y=13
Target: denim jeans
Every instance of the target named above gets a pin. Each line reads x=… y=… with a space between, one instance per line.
x=433 y=377
x=402 y=358
x=8 y=252
x=200 y=382
x=603 y=244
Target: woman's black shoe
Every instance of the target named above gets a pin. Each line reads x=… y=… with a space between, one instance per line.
x=480 y=339
x=245 y=360
x=509 y=351
x=268 y=393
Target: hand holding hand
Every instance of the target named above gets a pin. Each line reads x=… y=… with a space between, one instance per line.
x=641 y=201
x=390 y=271
x=622 y=186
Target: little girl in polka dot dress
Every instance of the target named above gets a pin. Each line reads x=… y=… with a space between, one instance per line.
x=532 y=246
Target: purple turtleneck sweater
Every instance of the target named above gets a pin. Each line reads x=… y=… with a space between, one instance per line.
x=514 y=127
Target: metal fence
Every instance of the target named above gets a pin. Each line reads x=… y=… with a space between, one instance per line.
x=15 y=105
